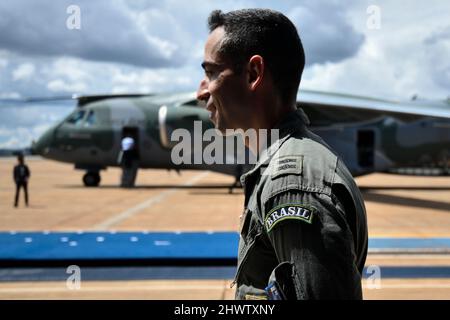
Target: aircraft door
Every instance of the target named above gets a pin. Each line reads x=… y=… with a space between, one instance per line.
x=366 y=148
x=132 y=132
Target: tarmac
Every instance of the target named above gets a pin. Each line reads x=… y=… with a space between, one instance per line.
x=408 y=215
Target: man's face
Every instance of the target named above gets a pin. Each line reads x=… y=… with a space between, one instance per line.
x=223 y=90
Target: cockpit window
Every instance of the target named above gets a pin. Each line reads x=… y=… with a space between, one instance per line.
x=90 y=119
x=77 y=117
x=195 y=103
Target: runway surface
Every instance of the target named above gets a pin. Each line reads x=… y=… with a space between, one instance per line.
x=407 y=213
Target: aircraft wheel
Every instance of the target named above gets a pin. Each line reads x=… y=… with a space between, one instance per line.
x=91 y=179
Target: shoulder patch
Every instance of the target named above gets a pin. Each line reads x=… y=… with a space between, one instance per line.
x=289 y=211
x=287 y=165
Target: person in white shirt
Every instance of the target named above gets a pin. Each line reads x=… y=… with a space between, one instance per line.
x=129 y=162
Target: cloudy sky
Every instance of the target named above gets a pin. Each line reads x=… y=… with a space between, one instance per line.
x=390 y=49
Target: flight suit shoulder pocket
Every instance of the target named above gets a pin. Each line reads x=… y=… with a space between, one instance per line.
x=286 y=165
x=290 y=183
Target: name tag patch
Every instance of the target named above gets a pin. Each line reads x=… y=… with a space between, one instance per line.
x=255 y=297
x=289 y=211
x=287 y=165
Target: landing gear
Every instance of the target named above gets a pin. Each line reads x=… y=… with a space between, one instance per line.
x=237 y=178
x=236 y=184
x=91 y=179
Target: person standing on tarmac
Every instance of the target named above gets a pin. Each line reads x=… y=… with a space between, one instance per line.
x=21 y=174
x=129 y=162
x=303 y=231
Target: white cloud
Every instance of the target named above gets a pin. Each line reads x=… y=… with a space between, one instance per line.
x=11 y=142
x=108 y=33
x=23 y=72
x=150 y=81
x=10 y=95
x=69 y=68
x=60 y=85
x=70 y=75
x=438 y=49
x=20 y=137
x=3 y=63
x=22 y=124
x=396 y=61
x=157 y=46
x=326 y=33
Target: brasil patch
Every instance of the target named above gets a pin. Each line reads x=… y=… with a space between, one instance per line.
x=289 y=211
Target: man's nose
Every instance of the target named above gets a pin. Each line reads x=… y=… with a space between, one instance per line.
x=202 y=92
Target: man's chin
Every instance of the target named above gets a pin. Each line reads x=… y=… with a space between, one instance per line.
x=221 y=132
x=227 y=132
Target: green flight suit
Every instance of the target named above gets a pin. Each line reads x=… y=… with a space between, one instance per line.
x=302 y=206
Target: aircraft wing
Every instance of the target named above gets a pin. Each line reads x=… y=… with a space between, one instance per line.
x=320 y=106
x=323 y=106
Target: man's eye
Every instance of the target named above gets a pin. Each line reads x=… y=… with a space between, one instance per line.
x=212 y=73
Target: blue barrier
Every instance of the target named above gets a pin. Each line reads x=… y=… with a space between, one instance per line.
x=161 y=245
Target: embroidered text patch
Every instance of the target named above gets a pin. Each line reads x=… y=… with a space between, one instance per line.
x=287 y=165
x=288 y=211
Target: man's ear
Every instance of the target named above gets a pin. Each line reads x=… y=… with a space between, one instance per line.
x=255 y=71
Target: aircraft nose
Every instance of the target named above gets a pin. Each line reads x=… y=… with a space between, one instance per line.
x=42 y=145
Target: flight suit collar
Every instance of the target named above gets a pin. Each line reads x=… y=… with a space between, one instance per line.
x=290 y=123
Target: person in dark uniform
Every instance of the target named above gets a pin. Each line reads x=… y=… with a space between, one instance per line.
x=21 y=175
x=303 y=232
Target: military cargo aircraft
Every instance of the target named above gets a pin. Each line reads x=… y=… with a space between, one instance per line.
x=371 y=135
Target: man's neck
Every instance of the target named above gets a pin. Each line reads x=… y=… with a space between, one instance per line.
x=267 y=117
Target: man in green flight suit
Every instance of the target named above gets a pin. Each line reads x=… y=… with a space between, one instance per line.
x=304 y=227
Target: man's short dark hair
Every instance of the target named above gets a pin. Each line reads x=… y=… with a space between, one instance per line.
x=267 y=33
